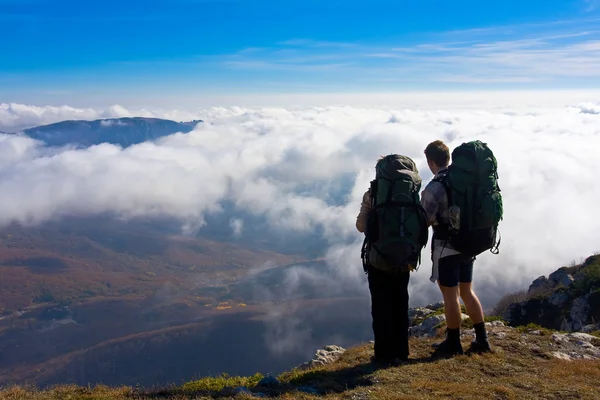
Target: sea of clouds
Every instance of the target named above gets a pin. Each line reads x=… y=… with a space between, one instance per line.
x=304 y=170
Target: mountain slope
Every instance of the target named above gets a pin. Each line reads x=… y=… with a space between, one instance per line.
x=121 y=131
x=522 y=367
x=568 y=299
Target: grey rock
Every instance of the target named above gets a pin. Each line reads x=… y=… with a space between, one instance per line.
x=435 y=306
x=565 y=325
x=539 y=284
x=561 y=355
x=428 y=327
x=584 y=337
x=594 y=352
x=324 y=356
x=510 y=311
x=558 y=298
x=537 y=333
x=561 y=277
x=560 y=338
x=590 y=328
x=579 y=313
x=467 y=332
x=419 y=313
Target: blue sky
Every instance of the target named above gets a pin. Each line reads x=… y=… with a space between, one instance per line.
x=56 y=50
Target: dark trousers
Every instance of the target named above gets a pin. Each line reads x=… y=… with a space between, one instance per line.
x=389 y=309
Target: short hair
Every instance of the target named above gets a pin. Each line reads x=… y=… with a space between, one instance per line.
x=438 y=152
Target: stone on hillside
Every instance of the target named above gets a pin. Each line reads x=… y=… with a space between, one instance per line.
x=560 y=338
x=536 y=333
x=418 y=314
x=590 y=328
x=540 y=283
x=428 y=327
x=583 y=337
x=561 y=355
x=558 y=298
x=324 y=356
x=579 y=313
x=561 y=277
x=494 y=324
x=565 y=325
x=467 y=332
x=587 y=345
x=435 y=306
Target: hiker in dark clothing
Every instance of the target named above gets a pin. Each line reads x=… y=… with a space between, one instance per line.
x=388 y=283
x=452 y=270
x=389 y=305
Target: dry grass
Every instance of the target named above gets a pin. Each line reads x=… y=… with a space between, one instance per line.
x=520 y=368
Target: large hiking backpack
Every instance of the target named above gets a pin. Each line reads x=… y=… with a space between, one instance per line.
x=474 y=200
x=396 y=228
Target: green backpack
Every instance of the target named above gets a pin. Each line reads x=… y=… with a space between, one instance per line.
x=474 y=200
x=396 y=228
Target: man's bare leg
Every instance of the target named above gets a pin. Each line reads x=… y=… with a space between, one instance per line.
x=475 y=311
x=451 y=306
x=472 y=303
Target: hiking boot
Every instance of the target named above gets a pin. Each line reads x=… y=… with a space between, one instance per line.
x=479 y=347
x=399 y=361
x=380 y=362
x=448 y=348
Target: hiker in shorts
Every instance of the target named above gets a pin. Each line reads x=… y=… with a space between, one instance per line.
x=452 y=270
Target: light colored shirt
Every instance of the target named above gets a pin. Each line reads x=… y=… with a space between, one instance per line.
x=435 y=203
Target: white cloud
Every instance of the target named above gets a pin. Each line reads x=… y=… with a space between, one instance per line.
x=237 y=225
x=305 y=169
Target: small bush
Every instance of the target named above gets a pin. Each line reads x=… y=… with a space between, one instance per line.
x=533 y=327
x=44 y=297
x=589 y=279
x=508 y=299
x=492 y=318
x=218 y=383
x=539 y=292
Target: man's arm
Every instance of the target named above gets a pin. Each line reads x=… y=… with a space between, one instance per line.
x=365 y=208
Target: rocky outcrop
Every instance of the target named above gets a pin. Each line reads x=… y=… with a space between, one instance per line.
x=426 y=321
x=568 y=299
x=324 y=356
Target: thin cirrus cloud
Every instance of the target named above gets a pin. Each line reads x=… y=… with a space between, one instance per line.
x=305 y=169
x=561 y=52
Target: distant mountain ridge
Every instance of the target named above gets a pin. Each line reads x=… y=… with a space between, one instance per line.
x=119 y=131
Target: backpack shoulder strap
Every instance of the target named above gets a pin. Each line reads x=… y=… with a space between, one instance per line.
x=441 y=231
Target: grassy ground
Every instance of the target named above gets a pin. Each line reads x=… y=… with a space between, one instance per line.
x=520 y=368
